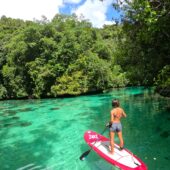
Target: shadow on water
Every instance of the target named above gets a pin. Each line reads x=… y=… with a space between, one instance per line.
x=163 y=117
x=8 y=113
x=25 y=110
x=165 y=134
x=24 y=153
x=12 y=158
x=13 y=122
x=55 y=108
x=9 y=118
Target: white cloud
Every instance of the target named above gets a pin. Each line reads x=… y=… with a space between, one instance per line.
x=72 y=1
x=109 y=22
x=30 y=9
x=95 y=11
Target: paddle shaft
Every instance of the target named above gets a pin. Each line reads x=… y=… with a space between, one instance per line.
x=97 y=139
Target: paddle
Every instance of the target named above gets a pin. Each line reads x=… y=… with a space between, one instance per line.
x=82 y=157
x=133 y=159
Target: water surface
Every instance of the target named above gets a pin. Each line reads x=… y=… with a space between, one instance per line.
x=47 y=134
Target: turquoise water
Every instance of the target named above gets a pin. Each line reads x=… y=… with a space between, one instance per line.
x=48 y=134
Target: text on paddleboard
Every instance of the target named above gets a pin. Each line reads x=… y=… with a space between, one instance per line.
x=93 y=137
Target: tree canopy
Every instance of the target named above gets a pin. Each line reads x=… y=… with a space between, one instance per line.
x=57 y=58
x=146 y=31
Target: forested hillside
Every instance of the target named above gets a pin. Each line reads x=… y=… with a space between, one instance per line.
x=61 y=57
x=67 y=56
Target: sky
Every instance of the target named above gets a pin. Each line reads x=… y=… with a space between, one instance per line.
x=96 y=11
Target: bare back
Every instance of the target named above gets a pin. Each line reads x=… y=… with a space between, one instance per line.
x=116 y=114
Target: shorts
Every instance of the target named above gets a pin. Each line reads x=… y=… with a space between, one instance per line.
x=116 y=127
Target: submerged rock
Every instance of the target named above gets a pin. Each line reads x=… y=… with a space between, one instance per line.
x=25 y=109
x=9 y=113
x=158 y=129
x=55 y=108
x=167 y=158
x=9 y=125
x=164 y=134
x=168 y=108
x=25 y=124
x=15 y=117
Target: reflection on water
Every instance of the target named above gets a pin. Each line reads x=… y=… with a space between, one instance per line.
x=48 y=133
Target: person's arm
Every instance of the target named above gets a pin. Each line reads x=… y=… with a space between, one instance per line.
x=111 y=117
x=123 y=113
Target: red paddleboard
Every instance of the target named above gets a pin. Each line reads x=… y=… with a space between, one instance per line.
x=123 y=159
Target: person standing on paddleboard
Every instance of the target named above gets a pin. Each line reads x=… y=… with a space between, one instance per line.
x=115 y=116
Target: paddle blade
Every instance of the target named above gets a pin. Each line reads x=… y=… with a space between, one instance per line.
x=82 y=157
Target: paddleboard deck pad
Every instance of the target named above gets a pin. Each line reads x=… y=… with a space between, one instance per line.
x=124 y=159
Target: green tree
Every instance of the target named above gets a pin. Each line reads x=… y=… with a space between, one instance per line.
x=64 y=56
x=145 y=49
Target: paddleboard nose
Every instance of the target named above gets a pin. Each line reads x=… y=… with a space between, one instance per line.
x=92 y=137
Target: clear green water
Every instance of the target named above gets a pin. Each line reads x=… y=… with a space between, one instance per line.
x=48 y=134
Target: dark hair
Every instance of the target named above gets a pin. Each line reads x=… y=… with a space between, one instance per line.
x=115 y=103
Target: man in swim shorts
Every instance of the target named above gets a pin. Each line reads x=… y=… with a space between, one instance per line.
x=116 y=114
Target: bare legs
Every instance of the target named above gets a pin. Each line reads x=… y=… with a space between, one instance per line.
x=112 y=141
x=121 y=139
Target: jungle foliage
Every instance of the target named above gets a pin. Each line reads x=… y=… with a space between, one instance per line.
x=146 y=42
x=56 y=58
